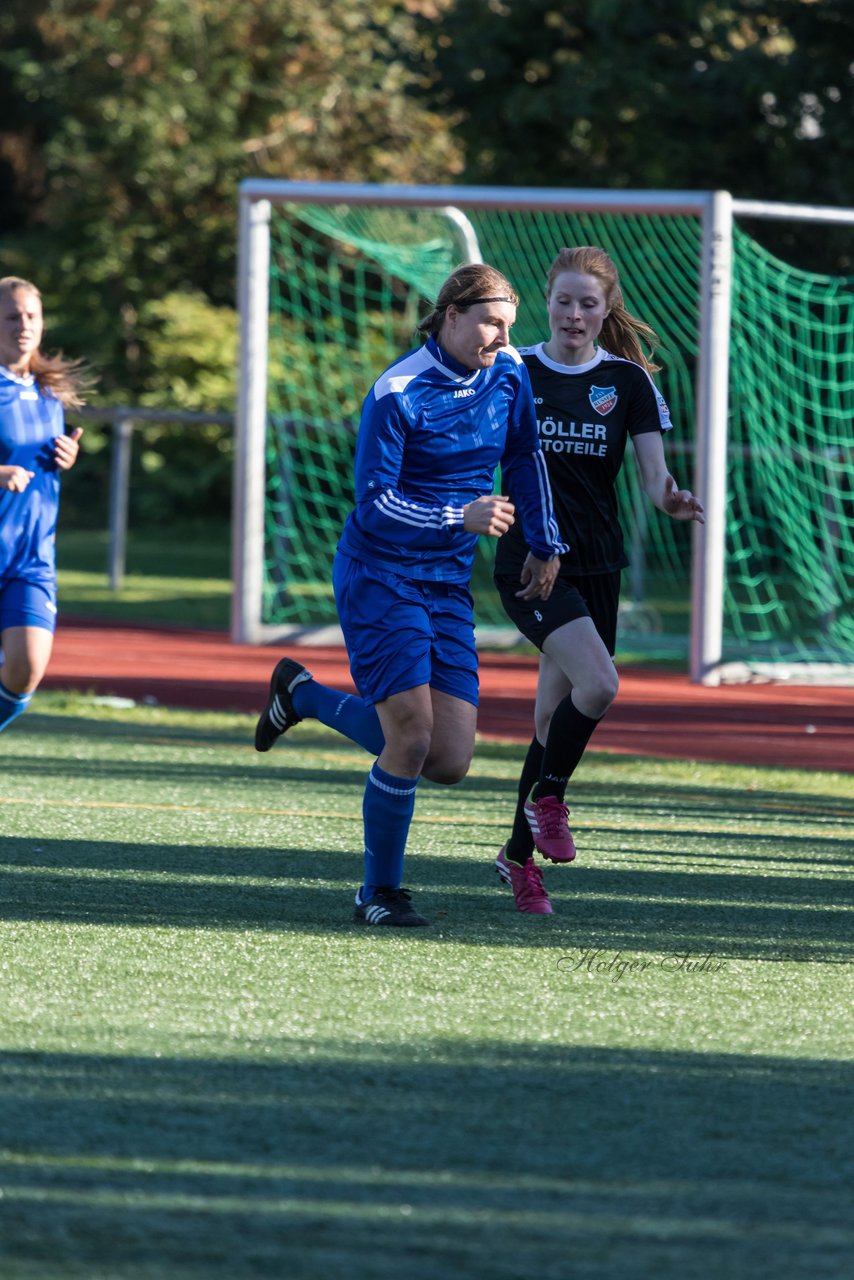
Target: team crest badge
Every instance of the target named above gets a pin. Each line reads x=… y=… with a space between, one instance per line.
x=603 y=399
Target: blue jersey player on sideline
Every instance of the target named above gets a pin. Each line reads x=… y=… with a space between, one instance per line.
x=35 y=389
x=434 y=427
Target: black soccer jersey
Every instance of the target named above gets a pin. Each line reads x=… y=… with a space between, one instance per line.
x=585 y=413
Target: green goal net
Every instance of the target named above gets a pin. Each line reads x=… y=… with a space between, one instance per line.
x=790 y=514
x=347 y=285
x=347 y=289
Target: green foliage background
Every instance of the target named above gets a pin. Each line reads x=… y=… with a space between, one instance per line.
x=125 y=129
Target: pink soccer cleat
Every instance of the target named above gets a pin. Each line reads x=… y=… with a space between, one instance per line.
x=527 y=885
x=502 y=865
x=547 y=819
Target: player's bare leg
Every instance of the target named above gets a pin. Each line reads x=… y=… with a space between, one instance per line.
x=26 y=653
x=452 y=740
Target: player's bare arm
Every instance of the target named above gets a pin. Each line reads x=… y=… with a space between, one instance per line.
x=660 y=486
x=492 y=514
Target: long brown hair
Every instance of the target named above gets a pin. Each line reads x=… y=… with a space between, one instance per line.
x=622 y=333
x=473 y=282
x=67 y=380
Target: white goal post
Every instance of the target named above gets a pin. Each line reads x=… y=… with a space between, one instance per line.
x=715 y=211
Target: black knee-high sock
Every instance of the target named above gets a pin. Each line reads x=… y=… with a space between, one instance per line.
x=569 y=734
x=520 y=846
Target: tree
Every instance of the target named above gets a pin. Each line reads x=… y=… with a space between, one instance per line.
x=127 y=128
x=747 y=96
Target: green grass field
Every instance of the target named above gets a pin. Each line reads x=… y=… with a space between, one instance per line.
x=209 y=1073
x=196 y=592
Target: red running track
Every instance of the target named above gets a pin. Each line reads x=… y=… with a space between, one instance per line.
x=656 y=713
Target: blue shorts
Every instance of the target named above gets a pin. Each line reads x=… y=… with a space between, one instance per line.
x=27 y=604
x=404 y=632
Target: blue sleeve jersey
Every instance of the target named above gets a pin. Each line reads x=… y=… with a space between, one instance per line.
x=431 y=436
x=30 y=421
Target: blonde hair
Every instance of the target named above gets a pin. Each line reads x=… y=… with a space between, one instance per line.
x=622 y=333
x=67 y=380
x=471 y=283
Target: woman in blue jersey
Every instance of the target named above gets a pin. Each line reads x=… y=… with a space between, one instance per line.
x=434 y=428
x=34 y=391
x=593 y=390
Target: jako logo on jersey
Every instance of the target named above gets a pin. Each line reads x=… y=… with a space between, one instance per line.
x=466 y=391
x=603 y=399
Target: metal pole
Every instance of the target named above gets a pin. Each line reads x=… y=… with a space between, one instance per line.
x=247 y=548
x=707 y=577
x=119 y=486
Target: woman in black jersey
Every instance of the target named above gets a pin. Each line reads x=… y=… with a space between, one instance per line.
x=593 y=389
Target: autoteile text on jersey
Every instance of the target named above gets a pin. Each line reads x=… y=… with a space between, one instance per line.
x=574 y=437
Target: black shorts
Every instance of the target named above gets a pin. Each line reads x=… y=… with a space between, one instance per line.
x=593 y=595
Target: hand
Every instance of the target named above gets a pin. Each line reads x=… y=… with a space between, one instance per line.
x=491 y=514
x=681 y=503
x=15 y=479
x=538 y=577
x=66 y=449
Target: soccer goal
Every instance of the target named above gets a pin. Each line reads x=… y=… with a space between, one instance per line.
x=758 y=370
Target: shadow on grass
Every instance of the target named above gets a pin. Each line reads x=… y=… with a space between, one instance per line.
x=289 y=890
x=244 y=769
x=373 y=1162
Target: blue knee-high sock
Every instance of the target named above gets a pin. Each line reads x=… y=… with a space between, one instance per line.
x=387 y=809
x=12 y=705
x=342 y=711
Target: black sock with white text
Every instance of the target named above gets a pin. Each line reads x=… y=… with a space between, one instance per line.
x=520 y=846
x=569 y=733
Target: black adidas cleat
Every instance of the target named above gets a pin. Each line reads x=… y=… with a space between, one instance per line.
x=278 y=716
x=389 y=907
